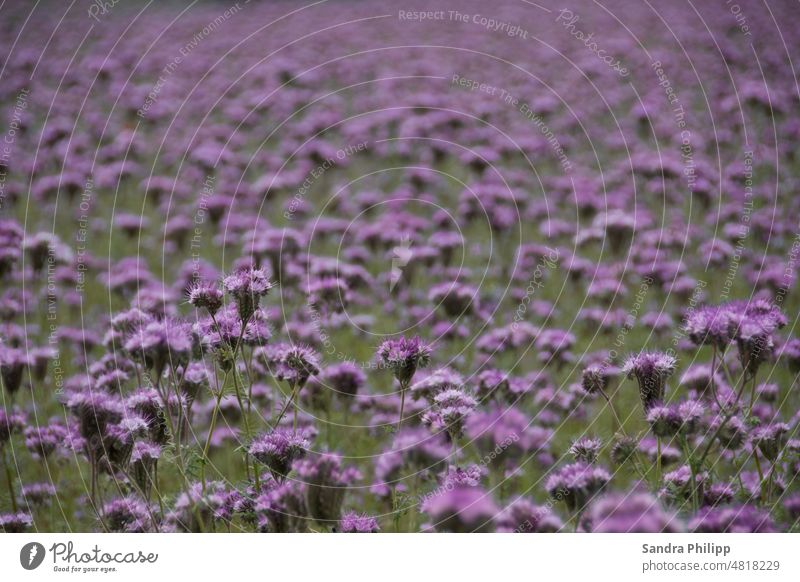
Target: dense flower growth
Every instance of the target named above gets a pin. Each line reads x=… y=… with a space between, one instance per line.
x=358 y=272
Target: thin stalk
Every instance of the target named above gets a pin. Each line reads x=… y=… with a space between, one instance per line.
x=211 y=428
x=156 y=488
x=286 y=406
x=10 y=481
x=687 y=452
x=132 y=482
x=760 y=474
x=617 y=421
x=402 y=406
x=395 y=512
x=752 y=396
x=248 y=434
x=658 y=462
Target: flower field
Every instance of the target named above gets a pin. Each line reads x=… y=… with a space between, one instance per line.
x=364 y=267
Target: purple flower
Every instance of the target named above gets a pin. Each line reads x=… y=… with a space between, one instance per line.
x=15 y=522
x=586 y=449
x=522 y=516
x=404 y=356
x=732 y=435
x=450 y=410
x=13 y=363
x=710 y=325
x=128 y=515
x=678 y=484
x=461 y=510
x=326 y=482
x=247 y=287
x=665 y=421
x=631 y=513
x=159 y=343
x=95 y=411
x=196 y=509
x=436 y=382
x=194 y=378
x=790 y=353
x=457 y=476
x=771 y=439
x=733 y=519
x=576 y=484
x=595 y=378
x=651 y=370
x=278 y=450
x=354 y=523
x=346 y=379
x=755 y=343
x=719 y=494
x=303 y=361
x=282 y=508
x=623 y=449
x=38 y=494
x=10 y=422
x=205 y=296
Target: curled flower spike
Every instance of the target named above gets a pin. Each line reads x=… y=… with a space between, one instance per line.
x=651 y=370
x=404 y=357
x=205 y=296
x=247 y=287
x=278 y=450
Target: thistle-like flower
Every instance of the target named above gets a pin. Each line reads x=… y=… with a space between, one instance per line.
x=247 y=287
x=205 y=296
x=586 y=449
x=278 y=450
x=771 y=439
x=632 y=513
x=651 y=370
x=577 y=483
x=354 y=523
x=404 y=357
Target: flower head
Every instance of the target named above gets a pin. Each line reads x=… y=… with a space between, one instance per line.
x=404 y=356
x=651 y=370
x=665 y=422
x=205 y=296
x=461 y=510
x=303 y=361
x=345 y=378
x=15 y=522
x=586 y=449
x=522 y=516
x=450 y=409
x=354 y=523
x=577 y=483
x=10 y=422
x=159 y=343
x=278 y=450
x=247 y=287
x=326 y=482
x=631 y=513
x=770 y=439
x=732 y=519
x=595 y=378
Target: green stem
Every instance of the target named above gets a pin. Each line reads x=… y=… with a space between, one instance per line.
x=211 y=428
x=687 y=452
x=402 y=406
x=658 y=463
x=10 y=480
x=760 y=475
x=286 y=406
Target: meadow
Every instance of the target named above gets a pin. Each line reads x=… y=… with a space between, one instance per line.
x=338 y=268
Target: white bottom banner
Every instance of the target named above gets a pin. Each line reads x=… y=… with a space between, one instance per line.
x=354 y=557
